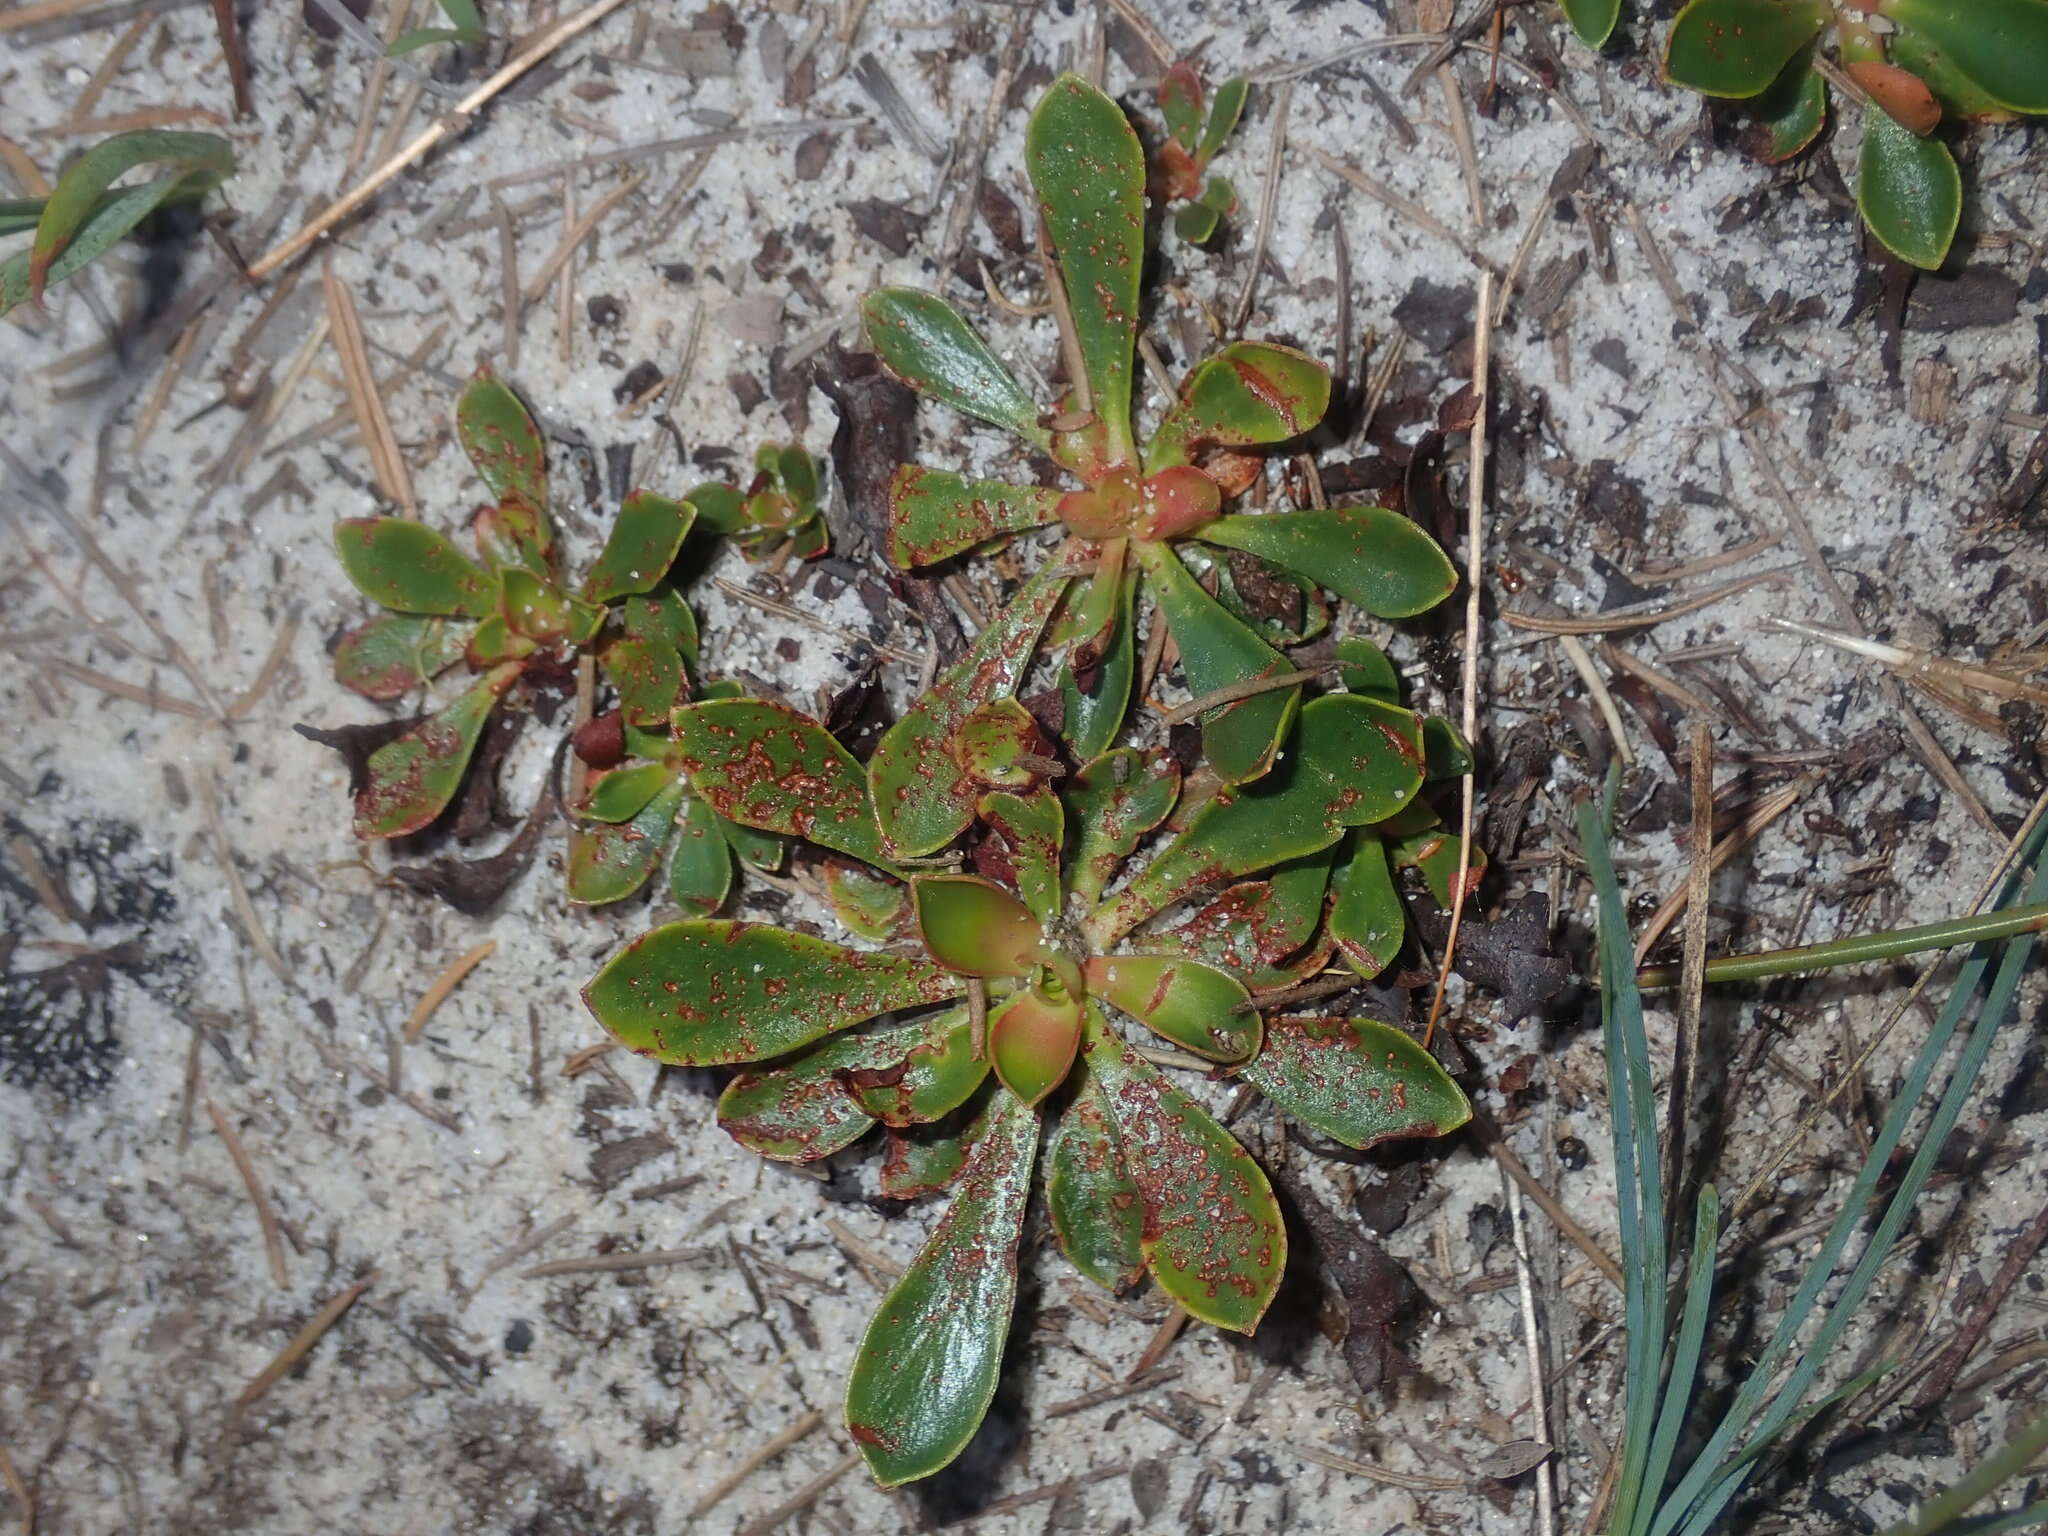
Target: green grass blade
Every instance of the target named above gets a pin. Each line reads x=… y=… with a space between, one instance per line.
x=1940 y=1513
x=1685 y=1358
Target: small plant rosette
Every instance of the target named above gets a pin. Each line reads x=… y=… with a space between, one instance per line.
x=1196 y=131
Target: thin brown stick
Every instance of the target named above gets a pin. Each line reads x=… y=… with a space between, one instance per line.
x=24 y=16
x=302 y=1342
x=445 y=983
x=1693 y=978
x=1952 y=1359
x=273 y=1241
x=790 y=611
x=1230 y=693
x=110 y=66
x=1407 y=207
x=1489 y=1135
x=273 y=663
x=1161 y=1340
x=614 y=1263
x=140 y=117
x=363 y=398
x=1111 y=1393
x=1641 y=616
x=238 y=893
x=802 y=1499
x=1475 y=576
x=11 y=1479
x=1269 y=199
x=1420 y=1481
x=1596 y=686
x=231 y=50
x=1765 y=811
x=579 y=231
x=755 y=1459
x=452 y=122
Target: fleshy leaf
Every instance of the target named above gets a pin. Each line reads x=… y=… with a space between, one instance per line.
x=1902 y=95
x=1250 y=394
x=534 y=606
x=764 y=851
x=1223 y=115
x=922 y=796
x=1115 y=800
x=1197 y=222
x=1790 y=113
x=922 y=1159
x=935 y=514
x=923 y=341
x=927 y=1366
x=764 y=765
x=1089 y=1192
x=1032 y=1038
x=623 y=793
x=1433 y=849
x=494 y=641
x=412 y=779
x=1445 y=753
x=1253 y=928
x=1378 y=559
x=1593 y=20
x=645 y=539
x=1357 y=1080
x=1196 y=1006
x=1912 y=49
x=503 y=443
x=708 y=991
x=1216 y=650
x=1353 y=761
x=410 y=568
x=1259 y=594
x=1213 y=1238
x=974 y=927
x=1180 y=103
x=1088 y=172
x=869 y=906
x=610 y=860
x=1094 y=714
x=80 y=219
x=647 y=660
x=996 y=743
x=801 y=1110
x=1032 y=828
x=1737 y=47
x=1367 y=919
x=720 y=507
x=937 y=1073
x=700 y=870
x=1364 y=668
x=395 y=653
x=1909 y=190
x=1999 y=46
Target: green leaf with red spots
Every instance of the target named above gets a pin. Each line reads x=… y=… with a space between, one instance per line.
x=923 y=797
x=1357 y=1080
x=764 y=765
x=1223 y=115
x=81 y=220
x=1114 y=801
x=503 y=443
x=1088 y=172
x=1032 y=1037
x=1032 y=827
x=1216 y=650
x=923 y=1159
x=647 y=661
x=1352 y=761
x=764 y=851
x=927 y=1366
x=1593 y=20
x=975 y=927
x=934 y=1075
x=1999 y=46
x=700 y=869
x=1367 y=920
x=935 y=514
x=1737 y=47
x=1180 y=103
x=1260 y=930
x=610 y=860
x=395 y=653
x=1378 y=559
x=535 y=607
x=1790 y=113
x=1212 y=1237
x=1089 y=1191
x=494 y=641
x=1196 y=1006
x=622 y=793
x=802 y=1109
x=708 y=992
x=411 y=780
x=923 y=341
x=1433 y=849
x=1909 y=190
x=645 y=539
x=409 y=568
x=1250 y=394
x=999 y=746
x=1105 y=659
x=869 y=906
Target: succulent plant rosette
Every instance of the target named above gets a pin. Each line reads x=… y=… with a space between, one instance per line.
x=507 y=617
x=1914 y=63
x=996 y=1011
x=1194 y=135
x=1154 y=512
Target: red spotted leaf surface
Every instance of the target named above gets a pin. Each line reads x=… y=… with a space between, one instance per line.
x=707 y=992
x=1250 y=394
x=700 y=868
x=1114 y=801
x=935 y=514
x=409 y=568
x=1089 y=1191
x=506 y=447
x=922 y=1160
x=1357 y=1080
x=974 y=926
x=765 y=765
x=1367 y=920
x=923 y=341
x=395 y=653
x=868 y=905
x=411 y=780
x=647 y=660
x=1737 y=47
x=611 y=859
x=643 y=544
x=1031 y=828
x=1196 y=1006
x=803 y=1109
x=936 y=1072
x=1377 y=559
x=1260 y=930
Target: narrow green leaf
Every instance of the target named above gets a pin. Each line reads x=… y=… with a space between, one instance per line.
x=927 y=1366
x=1094 y=714
x=1909 y=190
x=623 y=793
x=1738 y=47
x=1213 y=1238
x=935 y=514
x=412 y=779
x=1223 y=115
x=196 y=162
x=395 y=653
x=1196 y=1006
x=1032 y=1038
x=923 y=341
x=935 y=1073
x=1089 y=1192
x=1593 y=20
x=1378 y=559
x=975 y=927
x=700 y=869
x=1088 y=171
x=610 y=860
x=1356 y=1080
x=706 y=992
x=1999 y=46
x=1032 y=828
x=1250 y=394
x=1216 y=650
x=416 y=38
x=645 y=539
x=408 y=567
x=1367 y=920
x=922 y=796
x=1115 y=800
x=869 y=906
x=764 y=765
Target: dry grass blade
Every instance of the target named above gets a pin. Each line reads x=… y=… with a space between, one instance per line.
x=755 y=1459
x=303 y=1342
x=1596 y=688
x=1766 y=811
x=1642 y=615
x=790 y=611
x=1419 y=1481
x=273 y=1242
x=1269 y=197
x=1407 y=207
x=273 y=663
x=393 y=479
x=238 y=893
x=11 y=1480
x=614 y=1263
x=1916 y=665
x=110 y=66
x=444 y=984
x=21 y=17
x=801 y=1500
x=578 y=233
x=1496 y=1146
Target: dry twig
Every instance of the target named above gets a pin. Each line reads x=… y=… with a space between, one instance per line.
x=273 y=1243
